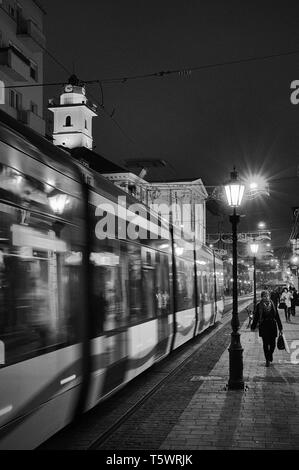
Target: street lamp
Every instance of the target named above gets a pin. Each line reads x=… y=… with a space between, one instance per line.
x=234 y=190
x=254 y=247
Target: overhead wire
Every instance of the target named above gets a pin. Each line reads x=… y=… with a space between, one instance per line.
x=158 y=74
x=99 y=103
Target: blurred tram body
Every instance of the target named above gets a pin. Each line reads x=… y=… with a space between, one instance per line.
x=80 y=316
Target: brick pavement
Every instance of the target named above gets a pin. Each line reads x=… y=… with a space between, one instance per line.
x=151 y=424
x=263 y=416
x=194 y=410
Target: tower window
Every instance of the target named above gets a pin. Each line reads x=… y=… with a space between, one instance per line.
x=86 y=124
x=68 y=121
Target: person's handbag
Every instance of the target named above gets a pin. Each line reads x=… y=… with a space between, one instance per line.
x=280 y=342
x=281 y=305
x=286 y=346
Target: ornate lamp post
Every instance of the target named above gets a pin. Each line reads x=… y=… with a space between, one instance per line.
x=234 y=190
x=254 y=247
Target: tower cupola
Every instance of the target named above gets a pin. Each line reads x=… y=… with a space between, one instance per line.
x=73 y=116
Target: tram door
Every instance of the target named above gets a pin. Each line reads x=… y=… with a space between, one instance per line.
x=156 y=294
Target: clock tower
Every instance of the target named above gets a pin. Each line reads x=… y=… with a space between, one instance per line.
x=73 y=116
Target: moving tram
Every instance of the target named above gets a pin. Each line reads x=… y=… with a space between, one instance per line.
x=85 y=304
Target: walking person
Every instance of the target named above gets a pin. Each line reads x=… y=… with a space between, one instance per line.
x=293 y=291
x=267 y=318
x=274 y=296
x=286 y=298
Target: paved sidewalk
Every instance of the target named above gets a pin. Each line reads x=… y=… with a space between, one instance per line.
x=263 y=416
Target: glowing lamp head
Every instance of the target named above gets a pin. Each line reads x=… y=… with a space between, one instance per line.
x=179 y=250
x=234 y=190
x=254 y=247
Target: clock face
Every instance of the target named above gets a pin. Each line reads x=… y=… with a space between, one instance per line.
x=68 y=88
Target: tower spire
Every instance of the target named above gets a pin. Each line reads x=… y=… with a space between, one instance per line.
x=73 y=116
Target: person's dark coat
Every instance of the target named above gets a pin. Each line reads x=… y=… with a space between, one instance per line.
x=274 y=296
x=267 y=321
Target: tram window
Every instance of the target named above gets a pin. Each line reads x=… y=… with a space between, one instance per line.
x=162 y=287
x=199 y=287
x=135 y=281
x=40 y=288
x=219 y=285
x=148 y=283
x=110 y=283
x=155 y=284
x=185 y=285
x=205 y=286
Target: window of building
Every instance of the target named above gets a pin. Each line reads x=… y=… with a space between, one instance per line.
x=18 y=100
x=19 y=13
x=11 y=98
x=68 y=121
x=12 y=10
x=86 y=124
x=33 y=107
x=15 y=99
x=33 y=70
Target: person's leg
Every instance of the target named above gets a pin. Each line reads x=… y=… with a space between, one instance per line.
x=266 y=349
x=286 y=312
x=272 y=344
x=289 y=313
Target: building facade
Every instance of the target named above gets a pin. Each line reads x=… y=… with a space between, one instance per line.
x=22 y=43
x=182 y=203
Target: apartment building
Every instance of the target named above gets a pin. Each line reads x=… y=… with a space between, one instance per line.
x=22 y=43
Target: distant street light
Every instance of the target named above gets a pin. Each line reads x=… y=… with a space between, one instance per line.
x=261 y=225
x=254 y=247
x=234 y=190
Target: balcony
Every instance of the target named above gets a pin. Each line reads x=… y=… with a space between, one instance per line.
x=31 y=35
x=32 y=120
x=89 y=104
x=14 y=64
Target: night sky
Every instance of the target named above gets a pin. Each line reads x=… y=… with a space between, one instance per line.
x=201 y=124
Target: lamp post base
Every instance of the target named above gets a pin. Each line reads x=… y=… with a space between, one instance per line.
x=236 y=381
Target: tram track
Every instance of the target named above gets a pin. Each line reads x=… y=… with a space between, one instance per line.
x=100 y=426
x=108 y=433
